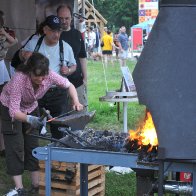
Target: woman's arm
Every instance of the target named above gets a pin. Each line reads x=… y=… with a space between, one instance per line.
x=9 y=38
x=20 y=116
x=73 y=94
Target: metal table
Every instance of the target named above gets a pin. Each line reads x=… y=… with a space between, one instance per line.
x=84 y=157
x=125 y=98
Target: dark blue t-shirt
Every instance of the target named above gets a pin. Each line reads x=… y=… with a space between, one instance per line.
x=123 y=39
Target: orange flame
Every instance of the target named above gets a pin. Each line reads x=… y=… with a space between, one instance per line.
x=146 y=134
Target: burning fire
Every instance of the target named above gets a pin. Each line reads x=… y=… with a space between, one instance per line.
x=145 y=135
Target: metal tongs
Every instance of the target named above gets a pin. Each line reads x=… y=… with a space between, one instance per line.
x=67 y=131
x=85 y=144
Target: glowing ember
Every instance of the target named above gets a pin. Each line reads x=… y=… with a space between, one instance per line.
x=146 y=134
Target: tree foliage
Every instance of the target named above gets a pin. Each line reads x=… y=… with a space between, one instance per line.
x=118 y=12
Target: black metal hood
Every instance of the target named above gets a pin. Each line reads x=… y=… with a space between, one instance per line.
x=165 y=78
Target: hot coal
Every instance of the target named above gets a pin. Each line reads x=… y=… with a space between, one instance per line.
x=109 y=141
x=93 y=139
x=146 y=153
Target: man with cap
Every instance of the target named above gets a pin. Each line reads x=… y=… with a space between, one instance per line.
x=55 y=100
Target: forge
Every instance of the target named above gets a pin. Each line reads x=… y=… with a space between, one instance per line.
x=88 y=146
x=165 y=82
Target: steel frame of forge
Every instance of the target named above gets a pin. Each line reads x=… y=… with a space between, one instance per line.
x=85 y=157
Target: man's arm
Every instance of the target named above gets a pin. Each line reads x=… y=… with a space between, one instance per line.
x=69 y=68
x=83 y=63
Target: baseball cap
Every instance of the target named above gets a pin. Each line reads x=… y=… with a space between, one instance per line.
x=53 y=22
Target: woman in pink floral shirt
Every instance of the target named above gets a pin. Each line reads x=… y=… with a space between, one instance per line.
x=19 y=99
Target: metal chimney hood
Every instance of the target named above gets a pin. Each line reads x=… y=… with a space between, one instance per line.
x=165 y=78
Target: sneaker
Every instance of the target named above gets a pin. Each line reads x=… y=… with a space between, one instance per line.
x=17 y=192
x=34 y=190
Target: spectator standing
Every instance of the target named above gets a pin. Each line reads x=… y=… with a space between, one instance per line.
x=55 y=99
x=97 y=49
x=19 y=111
x=91 y=41
x=6 y=41
x=107 y=48
x=116 y=42
x=74 y=38
x=123 y=45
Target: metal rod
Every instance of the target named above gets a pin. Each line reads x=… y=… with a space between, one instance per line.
x=61 y=115
x=75 y=137
x=178 y=188
x=49 y=139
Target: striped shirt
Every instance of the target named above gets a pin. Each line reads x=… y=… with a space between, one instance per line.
x=19 y=95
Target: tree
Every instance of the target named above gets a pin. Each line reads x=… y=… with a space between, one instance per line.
x=118 y=13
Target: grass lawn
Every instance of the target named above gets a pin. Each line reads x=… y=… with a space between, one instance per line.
x=106 y=116
x=105 y=119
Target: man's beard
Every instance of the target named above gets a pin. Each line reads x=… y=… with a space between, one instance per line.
x=64 y=27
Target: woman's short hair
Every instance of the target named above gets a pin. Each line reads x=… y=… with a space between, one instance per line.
x=37 y=64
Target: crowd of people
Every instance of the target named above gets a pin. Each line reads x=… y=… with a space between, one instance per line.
x=104 y=45
x=52 y=65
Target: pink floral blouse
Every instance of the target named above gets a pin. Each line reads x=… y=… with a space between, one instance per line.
x=18 y=94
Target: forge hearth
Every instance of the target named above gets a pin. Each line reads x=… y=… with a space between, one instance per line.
x=108 y=141
x=95 y=139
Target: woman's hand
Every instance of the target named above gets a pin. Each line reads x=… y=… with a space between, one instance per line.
x=78 y=106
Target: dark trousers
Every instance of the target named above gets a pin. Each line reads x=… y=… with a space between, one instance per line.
x=18 y=145
x=55 y=100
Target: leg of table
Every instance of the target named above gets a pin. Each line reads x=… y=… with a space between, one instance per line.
x=125 y=105
x=84 y=179
x=48 y=172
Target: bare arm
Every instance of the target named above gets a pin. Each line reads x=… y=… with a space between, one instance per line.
x=20 y=116
x=83 y=63
x=114 y=45
x=9 y=38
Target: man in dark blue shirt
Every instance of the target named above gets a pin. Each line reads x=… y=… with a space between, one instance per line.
x=123 y=45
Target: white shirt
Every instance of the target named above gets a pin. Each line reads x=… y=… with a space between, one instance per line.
x=4 y=76
x=53 y=53
x=92 y=38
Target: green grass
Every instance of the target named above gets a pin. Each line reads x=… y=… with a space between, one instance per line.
x=105 y=119
x=106 y=116
x=120 y=184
